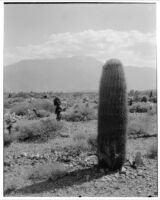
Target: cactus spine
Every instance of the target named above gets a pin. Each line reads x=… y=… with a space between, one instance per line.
x=112 y=116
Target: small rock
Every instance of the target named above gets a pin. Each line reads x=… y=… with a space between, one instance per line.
x=130 y=160
x=64 y=135
x=92 y=159
x=116 y=175
x=24 y=154
x=19 y=156
x=37 y=156
x=140 y=173
x=132 y=177
x=106 y=178
x=123 y=170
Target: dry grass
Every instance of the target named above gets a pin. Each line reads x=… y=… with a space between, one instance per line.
x=49 y=170
x=80 y=112
x=31 y=130
x=138 y=124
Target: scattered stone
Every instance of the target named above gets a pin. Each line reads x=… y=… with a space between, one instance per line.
x=106 y=178
x=130 y=160
x=92 y=160
x=24 y=154
x=65 y=135
x=37 y=156
x=140 y=173
x=19 y=156
x=116 y=175
x=123 y=170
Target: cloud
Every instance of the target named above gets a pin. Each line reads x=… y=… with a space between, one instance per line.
x=132 y=47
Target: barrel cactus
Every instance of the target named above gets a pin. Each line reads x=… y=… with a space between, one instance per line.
x=112 y=116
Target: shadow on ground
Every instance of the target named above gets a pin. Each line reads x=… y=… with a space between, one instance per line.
x=76 y=177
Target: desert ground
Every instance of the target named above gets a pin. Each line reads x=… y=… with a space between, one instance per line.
x=44 y=157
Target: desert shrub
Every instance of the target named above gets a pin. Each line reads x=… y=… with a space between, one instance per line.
x=153 y=111
x=88 y=142
x=139 y=107
x=30 y=130
x=8 y=103
x=24 y=107
x=21 y=108
x=144 y=99
x=22 y=94
x=43 y=104
x=49 y=170
x=8 y=139
x=152 y=151
x=76 y=147
x=39 y=114
x=50 y=124
x=153 y=99
x=80 y=112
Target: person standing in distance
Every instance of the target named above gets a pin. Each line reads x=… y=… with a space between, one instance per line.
x=58 y=110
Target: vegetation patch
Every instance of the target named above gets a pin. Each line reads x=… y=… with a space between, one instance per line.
x=138 y=124
x=140 y=107
x=31 y=130
x=152 y=151
x=49 y=170
x=80 y=112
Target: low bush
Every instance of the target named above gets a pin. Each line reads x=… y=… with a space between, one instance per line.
x=21 y=108
x=153 y=111
x=43 y=104
x=8 y=139
x=139 y=107
x=49 y=170
x=152 y=151
x=76 y=147
x=80 y=112
x=31 y=130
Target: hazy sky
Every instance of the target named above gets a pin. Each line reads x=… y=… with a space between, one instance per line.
x=124 y=31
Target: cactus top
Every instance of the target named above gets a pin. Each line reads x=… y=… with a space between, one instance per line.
x=111 y=63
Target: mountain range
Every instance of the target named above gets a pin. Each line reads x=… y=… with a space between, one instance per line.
x=78 y=73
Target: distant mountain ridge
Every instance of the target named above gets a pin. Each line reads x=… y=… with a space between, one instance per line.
x=79 y=73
